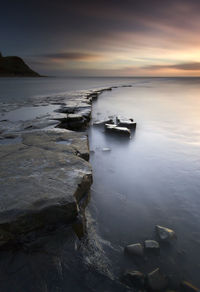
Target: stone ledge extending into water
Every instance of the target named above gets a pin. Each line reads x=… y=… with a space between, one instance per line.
x=42 y=181
x=45 y=174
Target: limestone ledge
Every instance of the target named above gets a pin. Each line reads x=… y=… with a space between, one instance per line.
x=46 y=173
x=42 y=181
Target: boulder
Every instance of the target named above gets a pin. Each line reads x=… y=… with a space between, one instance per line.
x=117 y=130
x=126 y=123
x=134 y=278
x=151 y=245
x=157 y=281
x=164 y=233
x=134 y=249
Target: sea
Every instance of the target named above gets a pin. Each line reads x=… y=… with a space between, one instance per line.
x=149 y=179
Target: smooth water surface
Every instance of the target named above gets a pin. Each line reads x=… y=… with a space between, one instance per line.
x=153 y=178
x=17 y=90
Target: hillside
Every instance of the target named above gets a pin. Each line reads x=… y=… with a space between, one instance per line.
x=14 y=67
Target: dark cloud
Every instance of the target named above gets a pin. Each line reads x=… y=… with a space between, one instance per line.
x=62 y=21
x=194 y=66
x=73 y=56
x=36 y=28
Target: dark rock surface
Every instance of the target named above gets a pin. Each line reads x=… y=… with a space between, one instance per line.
x=14 y=66
x=128 y=123
x=114 y=129
x=42 y=181
x=165 y=234
x=135 y=249
x=134 y=278
x=157 y=281
x=151 y=245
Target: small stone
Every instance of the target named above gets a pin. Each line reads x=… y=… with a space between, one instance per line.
x=117 y=130
x=106 y=149
x=165 y=234
x=135 y=278
x=151 y=244
x=103 y=122
x=129 y=123
x=157 y=281
x=134 y=249
x=188 y=287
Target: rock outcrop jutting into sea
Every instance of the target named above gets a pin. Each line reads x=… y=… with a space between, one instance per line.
x=13 y=66
x=45 y=174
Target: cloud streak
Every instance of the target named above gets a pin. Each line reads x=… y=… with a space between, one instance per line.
x=72 y=56
x=194 y=66
x=103 y=35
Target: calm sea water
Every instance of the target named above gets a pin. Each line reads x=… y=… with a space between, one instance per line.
x=17 y=90
x=153 y=178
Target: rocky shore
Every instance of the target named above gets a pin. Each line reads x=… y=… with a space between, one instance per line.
x=45 y=173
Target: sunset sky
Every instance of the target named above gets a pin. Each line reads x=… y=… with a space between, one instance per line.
x=104 y=37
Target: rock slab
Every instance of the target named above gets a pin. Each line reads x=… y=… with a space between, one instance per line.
x=42 y=181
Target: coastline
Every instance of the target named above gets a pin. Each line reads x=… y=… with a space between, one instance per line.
x=33 y=170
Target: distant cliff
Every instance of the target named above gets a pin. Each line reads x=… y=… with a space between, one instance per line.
x=14 y=67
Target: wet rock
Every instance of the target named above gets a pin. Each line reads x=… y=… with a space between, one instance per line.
x=79 y=227
x=102 y=123
x=105 y=89
x=73 y=122
x=157 y=281
x=126 y=123
x=72 y=142
x=70 y=109
x=188 y=287
x=106 y=149
x=86 y=113
x=78 y=113
x=42 y=182
x=93 y=96
x=134 y=249
x=151 y=245
x=165 y=234
x=117 y=130
x=134 y=278
x=127 y=85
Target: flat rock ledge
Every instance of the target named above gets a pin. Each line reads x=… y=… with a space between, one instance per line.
x=46 y=174
x=42 y=180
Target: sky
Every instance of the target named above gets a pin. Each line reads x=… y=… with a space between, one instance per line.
x=103 y=37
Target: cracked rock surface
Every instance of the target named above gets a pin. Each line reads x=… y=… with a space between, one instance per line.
x=42 y=180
